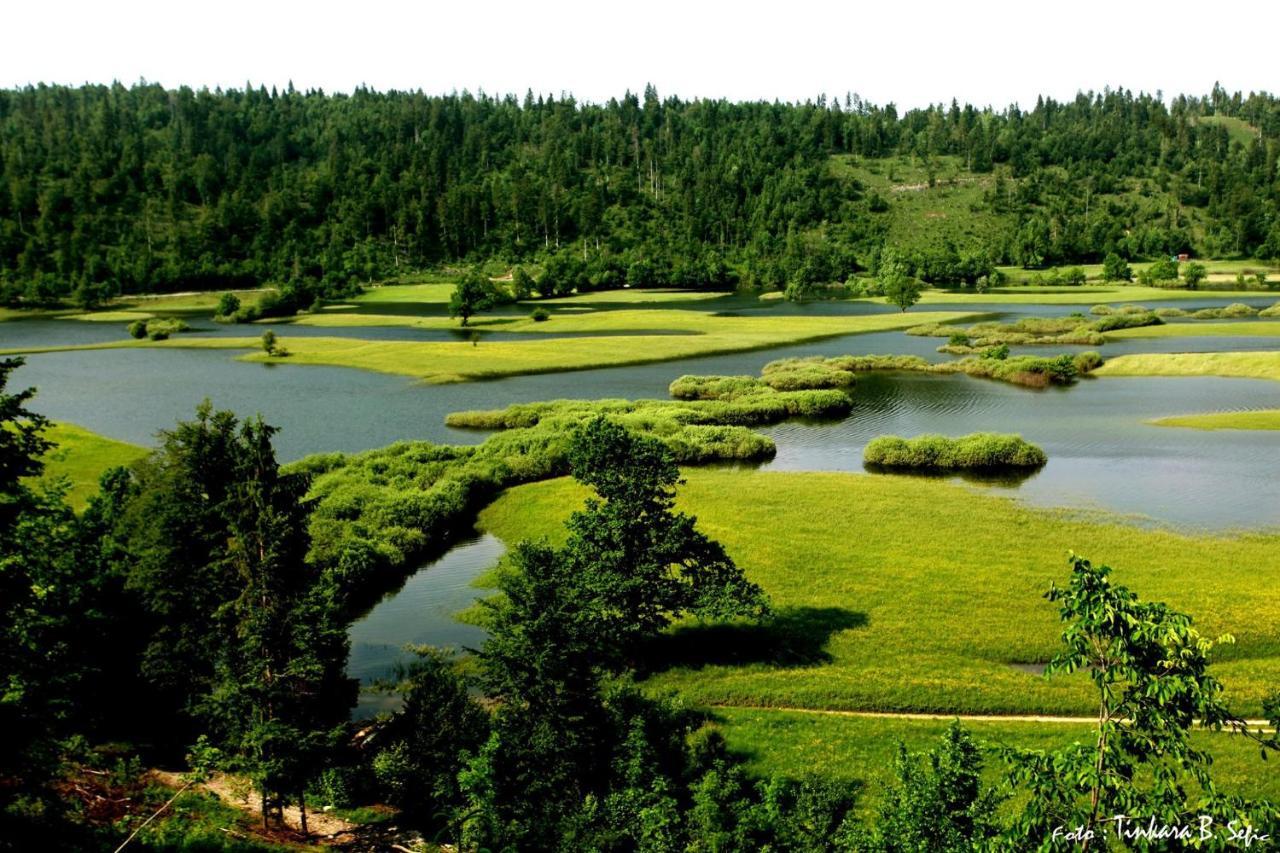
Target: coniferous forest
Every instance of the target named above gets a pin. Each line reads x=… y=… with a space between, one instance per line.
x=117 y=189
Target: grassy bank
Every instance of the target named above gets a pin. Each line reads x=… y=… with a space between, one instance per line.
x=861 y=750
x=1243 y=328
x=909 y=594
x=81 y=456
x=1264 y=419
x=1247 y=365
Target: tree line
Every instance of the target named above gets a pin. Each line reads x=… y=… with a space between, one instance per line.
x=110 y=189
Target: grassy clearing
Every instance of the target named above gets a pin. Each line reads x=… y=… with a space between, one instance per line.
x=408 y=294
x=1262 y=419
x=861 y=750
x=81 y=456
x=1247 y=365
x=901 y=593
x=1243 y=328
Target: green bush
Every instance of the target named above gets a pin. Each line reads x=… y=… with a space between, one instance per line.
x=1273 y=311
x=540 y=315
x=138 y=329
x=1087 y=362
x=979 y=451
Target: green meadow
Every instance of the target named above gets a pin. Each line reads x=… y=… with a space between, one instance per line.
x=860 y=750
x=1263 y=419
x=897 y=593
x=1246 y=365
x=80 y=456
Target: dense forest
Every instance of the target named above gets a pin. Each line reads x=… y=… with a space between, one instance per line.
x=109 y=189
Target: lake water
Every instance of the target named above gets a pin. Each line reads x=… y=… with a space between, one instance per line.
x=1102 y=453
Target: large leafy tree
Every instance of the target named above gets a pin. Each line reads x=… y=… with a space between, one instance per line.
x=641 y=562
x=473 y=294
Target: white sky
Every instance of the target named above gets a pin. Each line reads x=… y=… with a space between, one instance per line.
x=910 y=53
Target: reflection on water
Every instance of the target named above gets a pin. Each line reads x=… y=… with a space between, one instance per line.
x=421 y=613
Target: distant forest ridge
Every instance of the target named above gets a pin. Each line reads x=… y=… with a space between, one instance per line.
x=117 y=189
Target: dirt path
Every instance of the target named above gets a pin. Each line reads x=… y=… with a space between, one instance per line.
x=324 y=827
x=967 y=718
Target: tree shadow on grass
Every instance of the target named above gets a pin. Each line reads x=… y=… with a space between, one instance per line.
x=792 y=636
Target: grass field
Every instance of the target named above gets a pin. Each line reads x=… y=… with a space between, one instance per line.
x=1248 y=365
x=1243 y=328
x=1263 y=419
x=909 y=594
x=861 y=750
x=81 y=456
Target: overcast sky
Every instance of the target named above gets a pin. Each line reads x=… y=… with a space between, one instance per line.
x=909 y=53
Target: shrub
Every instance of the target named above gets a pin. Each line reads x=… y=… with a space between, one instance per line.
x=228 y=305
x=138 y=329
x=1273 y=311
x=1162 y=271
x=1102 y=310
x=978 y=451
x=1087 y=362
x=539 y=315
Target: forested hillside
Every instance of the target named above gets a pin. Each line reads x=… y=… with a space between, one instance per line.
x=133 y=189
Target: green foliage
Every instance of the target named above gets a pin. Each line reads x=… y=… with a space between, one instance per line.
x=1116 y=268
x=228 y=305
x=539 y=315
x=978 y=451
x=1087 y=362
x=269 y=345
x=1160 y=272
x=1149 y=667
x=40 y=611
x=138 y=329
x=644 y=563
x=896 y=283
x=473 y=294
x=421 y=747
x=522 y=284
x=1193 y=274
x=936 y=802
